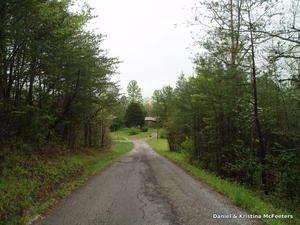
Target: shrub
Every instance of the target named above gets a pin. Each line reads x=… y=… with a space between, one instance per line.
x=187 y=148
x=144 y=129
x=163 y=134
x=133 y=131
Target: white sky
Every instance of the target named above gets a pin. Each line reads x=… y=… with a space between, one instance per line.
x=144 y=36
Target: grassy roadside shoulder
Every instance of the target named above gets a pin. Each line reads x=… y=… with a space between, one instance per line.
x=29 y=185
x=239 y=194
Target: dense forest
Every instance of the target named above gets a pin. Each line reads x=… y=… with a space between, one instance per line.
x=239 y=115
x=55 y=78
x=56 y=104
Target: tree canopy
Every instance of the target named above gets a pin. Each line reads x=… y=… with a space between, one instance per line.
x=239 y=115
x=135 y=115
x=134 y=92
x=54 y=76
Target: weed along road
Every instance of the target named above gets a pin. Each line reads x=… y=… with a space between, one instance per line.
x=143 y=188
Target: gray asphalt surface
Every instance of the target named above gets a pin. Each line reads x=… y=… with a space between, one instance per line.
x=143 y=188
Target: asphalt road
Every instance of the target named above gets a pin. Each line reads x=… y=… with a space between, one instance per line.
x=143 y=188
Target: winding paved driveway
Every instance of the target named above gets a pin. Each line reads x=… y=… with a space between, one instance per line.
x=143 y=188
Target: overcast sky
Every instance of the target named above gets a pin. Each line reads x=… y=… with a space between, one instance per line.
x=150 y=37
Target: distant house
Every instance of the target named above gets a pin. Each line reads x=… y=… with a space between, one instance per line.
x=150 y=121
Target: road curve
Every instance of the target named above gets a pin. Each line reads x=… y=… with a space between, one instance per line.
x=143 y=188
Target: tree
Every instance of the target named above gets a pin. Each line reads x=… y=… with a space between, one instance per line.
x=234 y=117
x=284 y=38
x=251 y=29
x=148 y=106
x=134 y=92
x=54 y=76
x=135 y=115
x=119 y=113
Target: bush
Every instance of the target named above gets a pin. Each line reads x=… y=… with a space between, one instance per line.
x=144 y=129
x=187 y=148
x=133 y=131
x=163 y=134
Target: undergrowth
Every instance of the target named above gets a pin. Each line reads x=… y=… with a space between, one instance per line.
x=32 y=182
x=239 y=194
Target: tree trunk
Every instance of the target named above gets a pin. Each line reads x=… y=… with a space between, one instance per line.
x=3 y=69
x=262 y=151
x=29 y=99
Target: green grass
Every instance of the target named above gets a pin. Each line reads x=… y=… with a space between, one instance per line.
x=239 y=194
x=123 y=134
x=30 y=184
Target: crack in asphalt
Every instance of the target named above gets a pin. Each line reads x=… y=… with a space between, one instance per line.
x=143 y=205
x=143 y=188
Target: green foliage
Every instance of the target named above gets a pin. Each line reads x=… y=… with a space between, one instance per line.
x=147 y=104
x=119 y=113
x=135 y=115
x=123 y=134
x=239 y=194
x=144 y=129
x=134 y=92
x=31 y=183
x=133 y=131
x=238 y=116
x=55 y=77
x=162 y=102
x=187 y=148
x=211 y=120
x=162 y=133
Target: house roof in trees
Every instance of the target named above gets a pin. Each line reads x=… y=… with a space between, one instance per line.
x=153 y=119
